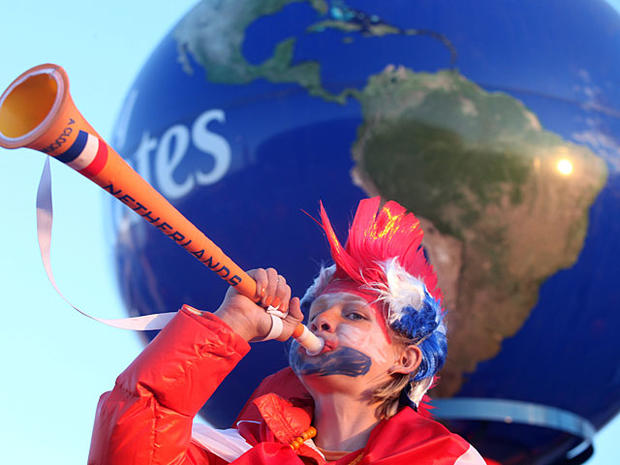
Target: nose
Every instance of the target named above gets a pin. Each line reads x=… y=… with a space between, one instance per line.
x=324 y=321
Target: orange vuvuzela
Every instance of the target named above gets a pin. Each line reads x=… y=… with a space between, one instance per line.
x=37 y=111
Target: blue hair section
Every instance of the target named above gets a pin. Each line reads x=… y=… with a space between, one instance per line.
x=425 y=327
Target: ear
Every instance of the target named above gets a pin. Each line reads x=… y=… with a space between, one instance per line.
x=408 y=361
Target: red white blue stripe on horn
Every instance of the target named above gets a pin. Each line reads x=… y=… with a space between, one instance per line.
x=88 y=154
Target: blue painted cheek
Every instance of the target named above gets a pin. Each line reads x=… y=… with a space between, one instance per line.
x=342 y=361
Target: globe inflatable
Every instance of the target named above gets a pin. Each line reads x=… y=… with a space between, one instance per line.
x=495 y=122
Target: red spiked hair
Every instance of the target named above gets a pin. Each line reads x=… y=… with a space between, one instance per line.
x=376 y=236
x=383 y=261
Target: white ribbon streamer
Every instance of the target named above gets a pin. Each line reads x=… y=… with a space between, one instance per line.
x=227 y=444
x=45 y=217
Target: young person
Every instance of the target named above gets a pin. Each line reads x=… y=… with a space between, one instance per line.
x=378 y=309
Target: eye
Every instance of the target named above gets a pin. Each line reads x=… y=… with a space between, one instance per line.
x=355 y=316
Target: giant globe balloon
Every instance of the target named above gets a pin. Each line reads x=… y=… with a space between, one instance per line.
x=495 y=122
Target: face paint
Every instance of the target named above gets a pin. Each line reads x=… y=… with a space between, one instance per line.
x=370 y=298
x=341 y=361
x=372 y=342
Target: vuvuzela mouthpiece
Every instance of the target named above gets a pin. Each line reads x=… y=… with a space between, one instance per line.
x=311 y=342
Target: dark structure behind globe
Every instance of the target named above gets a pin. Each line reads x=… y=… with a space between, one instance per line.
x=495 y=122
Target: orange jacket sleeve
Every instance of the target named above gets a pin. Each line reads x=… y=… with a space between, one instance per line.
x=147 y=418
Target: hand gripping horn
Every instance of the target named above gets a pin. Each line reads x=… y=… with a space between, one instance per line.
x=37 y=111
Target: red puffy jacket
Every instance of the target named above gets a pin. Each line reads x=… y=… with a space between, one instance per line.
x=147 y=418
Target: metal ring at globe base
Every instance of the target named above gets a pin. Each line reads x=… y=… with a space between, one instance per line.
x=514 y=411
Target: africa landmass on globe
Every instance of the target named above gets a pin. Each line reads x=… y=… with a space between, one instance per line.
x=488 y=182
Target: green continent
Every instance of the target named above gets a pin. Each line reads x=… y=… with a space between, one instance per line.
x=214 y=31
x=500 y=207
x=213 y=34
x=446 y=170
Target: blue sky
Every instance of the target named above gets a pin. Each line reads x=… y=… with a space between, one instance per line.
x=55 y=362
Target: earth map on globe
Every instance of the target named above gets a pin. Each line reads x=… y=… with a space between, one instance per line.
x=495 y=208
x=489 y=122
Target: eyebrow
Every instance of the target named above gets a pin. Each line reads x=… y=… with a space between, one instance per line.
x=345 y=300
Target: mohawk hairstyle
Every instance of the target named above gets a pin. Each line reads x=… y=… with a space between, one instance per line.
x=384 y=255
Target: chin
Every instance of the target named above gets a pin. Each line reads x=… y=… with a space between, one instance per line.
x=326 y=384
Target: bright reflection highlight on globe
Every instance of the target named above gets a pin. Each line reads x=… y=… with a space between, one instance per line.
x=564 y=166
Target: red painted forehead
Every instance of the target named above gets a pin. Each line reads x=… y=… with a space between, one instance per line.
x=350 y=287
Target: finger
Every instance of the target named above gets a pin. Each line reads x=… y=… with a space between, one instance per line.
x=292 y=320
x=260 y=276
x=294 y=310
x=271 y=287
x=283 y=295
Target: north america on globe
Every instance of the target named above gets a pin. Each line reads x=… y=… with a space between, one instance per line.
x=489 y=183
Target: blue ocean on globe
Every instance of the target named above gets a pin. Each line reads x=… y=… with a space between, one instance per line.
x=496 y=123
